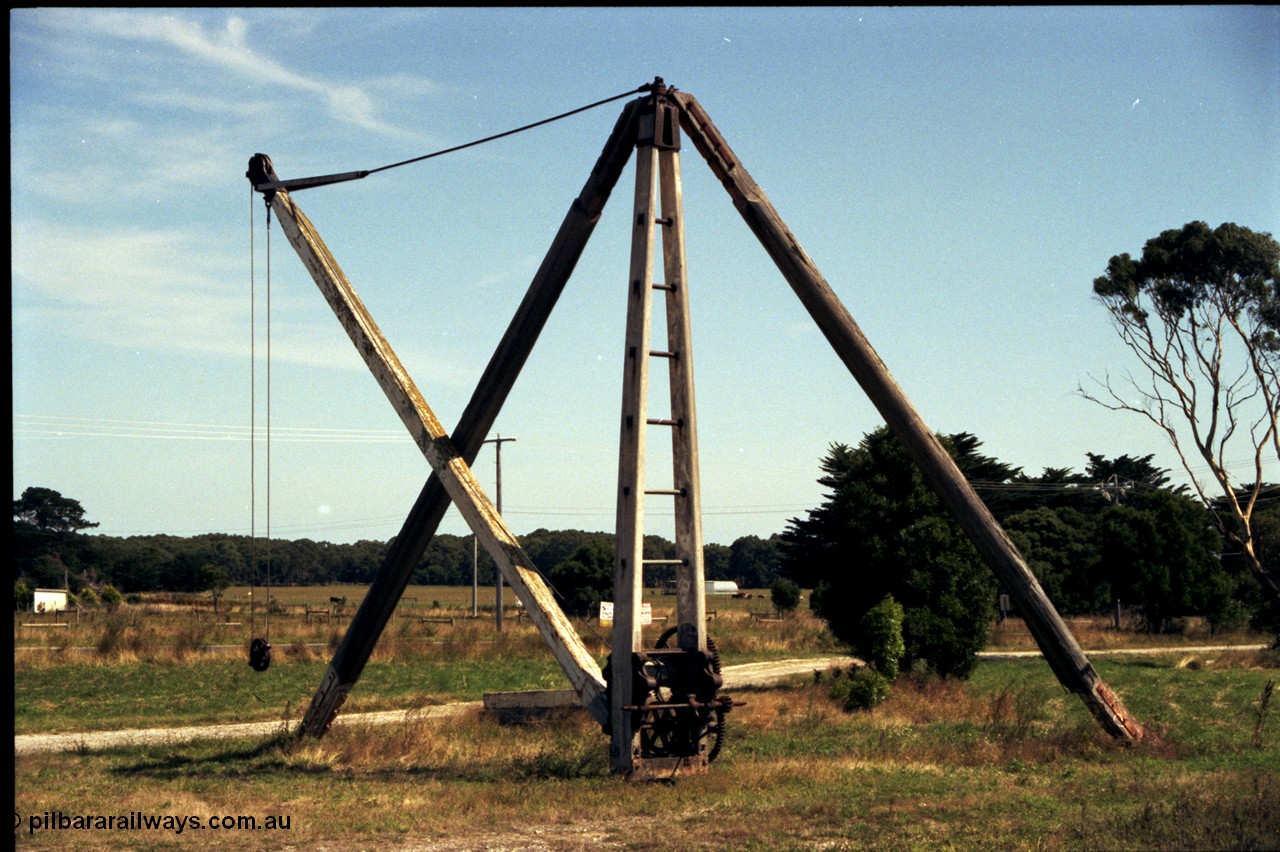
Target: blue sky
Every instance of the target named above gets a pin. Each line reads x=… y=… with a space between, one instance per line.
x=959 y=175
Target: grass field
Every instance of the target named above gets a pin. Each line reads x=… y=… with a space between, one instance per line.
x=1004 y=760
x=164 y=624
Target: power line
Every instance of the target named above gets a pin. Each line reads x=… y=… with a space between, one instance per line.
x=67 y=427
x=68 y=419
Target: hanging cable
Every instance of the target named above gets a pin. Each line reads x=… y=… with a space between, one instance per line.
x=267 y=617
x=253 y=431
x=259 y=647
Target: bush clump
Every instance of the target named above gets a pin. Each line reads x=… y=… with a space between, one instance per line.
x=882 y=632
x=862 y=689
x=883 y=531
x=785 y=595
x=110 y=597
x=22 y=596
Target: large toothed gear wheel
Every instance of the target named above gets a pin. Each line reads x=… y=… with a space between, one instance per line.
x=667 y=730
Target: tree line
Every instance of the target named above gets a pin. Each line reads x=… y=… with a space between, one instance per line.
x=52 y=548
x=1116 y=532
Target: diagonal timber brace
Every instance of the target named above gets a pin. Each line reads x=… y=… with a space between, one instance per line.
x=1056 y=641
x=379 y=604
x=447 y=463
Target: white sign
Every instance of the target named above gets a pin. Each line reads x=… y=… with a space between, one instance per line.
x=606 y=613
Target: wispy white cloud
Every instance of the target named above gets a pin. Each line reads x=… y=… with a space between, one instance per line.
x=172 y=291
x=147 y=289
x=88 y=162
x=212 y=105
x=230 y=50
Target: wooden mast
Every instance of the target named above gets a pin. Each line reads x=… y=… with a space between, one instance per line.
x=657 y=159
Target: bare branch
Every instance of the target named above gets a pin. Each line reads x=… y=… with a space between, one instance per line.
x=1193 y=311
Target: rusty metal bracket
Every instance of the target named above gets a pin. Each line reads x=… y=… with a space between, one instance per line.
x=659 y=126
x=262 y=175
x=659 y=119
x=265 y=180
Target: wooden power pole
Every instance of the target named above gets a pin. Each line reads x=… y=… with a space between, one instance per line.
x=497 y=574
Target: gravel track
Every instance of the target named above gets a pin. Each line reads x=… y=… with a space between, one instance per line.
x=748 y=674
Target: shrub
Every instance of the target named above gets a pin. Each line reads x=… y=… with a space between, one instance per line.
x=111 y=597
x=882 y=629
x=785 y=595
x=862 y=689
x=584 y=579
x=22 y=595
x=816 y=596
x=882 y=531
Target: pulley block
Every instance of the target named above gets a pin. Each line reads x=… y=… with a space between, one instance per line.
x=259 y=654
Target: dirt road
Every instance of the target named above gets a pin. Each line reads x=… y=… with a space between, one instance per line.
x=748 y=674
x=1141 y=652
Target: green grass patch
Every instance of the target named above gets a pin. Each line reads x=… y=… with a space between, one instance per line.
x=69 y=698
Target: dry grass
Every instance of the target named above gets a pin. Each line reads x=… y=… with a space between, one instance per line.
x=460 y=746
x=1099 y=633
x=1005 y=759
x=1002 y=760
x=1243 y=660
x=166 y=633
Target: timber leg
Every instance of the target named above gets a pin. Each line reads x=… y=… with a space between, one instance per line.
x=379 y=604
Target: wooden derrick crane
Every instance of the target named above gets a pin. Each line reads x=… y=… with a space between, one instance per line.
x=642 y=691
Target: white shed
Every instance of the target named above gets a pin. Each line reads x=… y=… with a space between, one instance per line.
x=721 y=587
x=49 y=600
